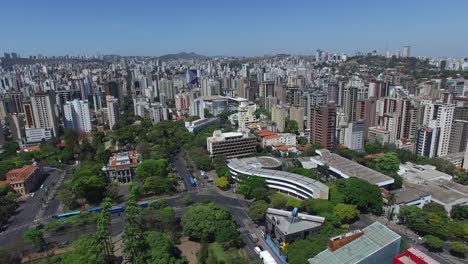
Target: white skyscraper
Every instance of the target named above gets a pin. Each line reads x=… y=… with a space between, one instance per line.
x=113 y=111
x=76 y=115
x=44 y=112
x=406 y=52
x=444 y=118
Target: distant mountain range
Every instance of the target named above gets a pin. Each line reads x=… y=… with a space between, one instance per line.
x=184 y=55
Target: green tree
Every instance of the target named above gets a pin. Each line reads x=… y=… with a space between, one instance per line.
x=222 y=182
x=85 y=250
x=160 y=249
x=433 y=243
x=36 y=237
x=291 y=126
x=253 y=187
x=257 y=211
x=310 y=149
x=388 y=162
x=461 y=178
x=103 y=232
x=435 y=208
x=186 y=200
x=204 y=222
x=134 y=243
x=346 y=212
x=302 y=140
x=150 y=168
x=366 y=196
x=373 y=147
x=458 y=248
x=459 y=212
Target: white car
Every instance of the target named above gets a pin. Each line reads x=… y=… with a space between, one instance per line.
x=42 y=186
x=257 y=250
x=32 y=194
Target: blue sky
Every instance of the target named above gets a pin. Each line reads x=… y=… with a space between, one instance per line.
x=255 y=27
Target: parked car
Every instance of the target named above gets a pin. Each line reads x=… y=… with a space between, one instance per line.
x=257 y=250
x=253 y=237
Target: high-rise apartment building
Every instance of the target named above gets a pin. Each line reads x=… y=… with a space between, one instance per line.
x=427 y=140
x=458 y=136
x=278 y=115
x=445 y=119
x=113 y=112
x=406 y=52
x=297 y=114
x=76 y=115
x=43 y=110
x=323 y=125
x=354 y=135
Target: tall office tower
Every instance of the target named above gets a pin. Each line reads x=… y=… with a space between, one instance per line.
x=44 y=111
x=349 y=102
x=245 y=70
x=76 y=115
x=241 y=88
x=318 y=98
x=113 y=112
x=444 y=119
x=278 y=115
x=16 y=124
x=461 y=111
x=297 y=114
x=270 y=101
x=29 y=114
x=366 y=111
x=406 y=52
x=458 y=136
x=323 y=125
x=354 y=135
x=166 y=87
x=427 y=140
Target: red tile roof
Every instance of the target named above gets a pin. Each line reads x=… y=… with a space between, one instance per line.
x=20 y=174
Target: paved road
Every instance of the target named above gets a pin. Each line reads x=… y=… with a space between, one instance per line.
x=237 y=207
x=29 y=210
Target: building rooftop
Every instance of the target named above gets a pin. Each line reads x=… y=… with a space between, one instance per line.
x=315 y=186
x=264 y=162
x=290 y=225
x=348 y=168
x=20 y=174
x=419 y=173
x=123 y=159
x=409 y=194
x=375 y=237
x=453 y=157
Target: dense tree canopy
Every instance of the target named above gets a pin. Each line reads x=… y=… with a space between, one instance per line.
x=257 y=210
x=366 y=196
x=254 y=187
x=209 y=222
x=388 y=162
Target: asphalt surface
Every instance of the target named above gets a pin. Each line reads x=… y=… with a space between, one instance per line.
x=29 y=210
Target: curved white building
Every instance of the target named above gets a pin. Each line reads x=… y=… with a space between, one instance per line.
x=285 y=182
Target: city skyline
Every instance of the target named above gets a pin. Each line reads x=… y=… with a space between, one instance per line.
x=233 y=29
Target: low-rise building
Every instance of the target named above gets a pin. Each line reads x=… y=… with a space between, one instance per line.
x=378 y=134
x=25 y=180
x=121 y=166
x=455 y=158
x=413 y=256
x=340 y=167
x=286 y=182
x=374 y=244
x=286 y=226
x=270 y=138
x=35 y=135
x=200 y=124
x=439 y=185
x=231 y=144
